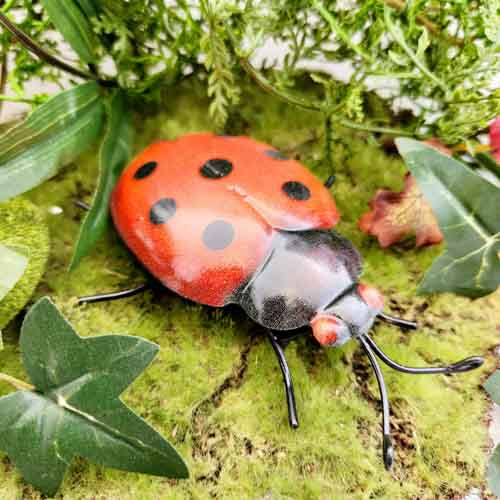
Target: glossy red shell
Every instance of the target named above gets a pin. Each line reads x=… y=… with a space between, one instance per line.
x=204 y=235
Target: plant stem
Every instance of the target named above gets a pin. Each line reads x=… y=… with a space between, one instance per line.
x=398 y=37
x=13 y=98
x=400 y=5
x=328 y=142
x=373 y=128
x=40 y=52
x=336 y=28
x=265 y=85
x=16 y=383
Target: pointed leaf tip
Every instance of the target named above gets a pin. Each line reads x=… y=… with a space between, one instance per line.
x=406 y=146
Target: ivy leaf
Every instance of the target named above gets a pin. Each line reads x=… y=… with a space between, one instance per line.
x=13 y=264
x=74 y=26
x=75 y=408
x=397 y=215
x=50 y=137
x=464 y=204
x=494 y=472
x=492 y=386
x=116 y=150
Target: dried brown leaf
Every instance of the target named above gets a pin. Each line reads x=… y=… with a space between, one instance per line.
x=394 y=216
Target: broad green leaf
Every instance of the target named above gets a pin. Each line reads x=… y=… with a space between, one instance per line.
x=52 y=136
x=487 y=161
x=89 y=7
x=467 y=208
x=75 y=408
x=494 y=472
x=74 y=26
x=115 y=152
x=13 y=264
x=492 y=386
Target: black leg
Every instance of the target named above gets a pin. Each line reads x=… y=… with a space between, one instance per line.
x=102 y=297
x=287 y=379
x=285 y=337
x=388 y=450
x=402 y=323
x=460 y=366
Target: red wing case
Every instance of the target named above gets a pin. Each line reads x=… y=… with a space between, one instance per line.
x=199 y=212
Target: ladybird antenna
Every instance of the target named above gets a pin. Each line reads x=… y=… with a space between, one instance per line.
x=464 y=365
x=388 y=450
x=393 y=320
x=330 y=181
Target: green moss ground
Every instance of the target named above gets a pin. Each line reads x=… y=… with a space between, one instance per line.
x=215 y=389
x=23 y=227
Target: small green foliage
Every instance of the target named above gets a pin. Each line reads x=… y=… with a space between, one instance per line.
x=462 y=202
x=24 y=67
x=441 y=59
x=219 y=62
x=73 y=407
x=151 y=44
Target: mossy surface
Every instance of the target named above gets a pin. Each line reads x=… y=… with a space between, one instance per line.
x=215 y=389
x=23 y=227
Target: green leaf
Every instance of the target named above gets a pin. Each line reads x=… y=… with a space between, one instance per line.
x=466 y=206
x=494 y=472
x=89 y=7
x=487 y=161
x=423 y=43
x=52 y=136
x=492 y=386
x=398 y=58
x=75 y=408
x=13 y=264
x=74 y=26
x=116 y=150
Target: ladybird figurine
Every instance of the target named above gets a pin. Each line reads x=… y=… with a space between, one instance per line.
x=229 y=220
